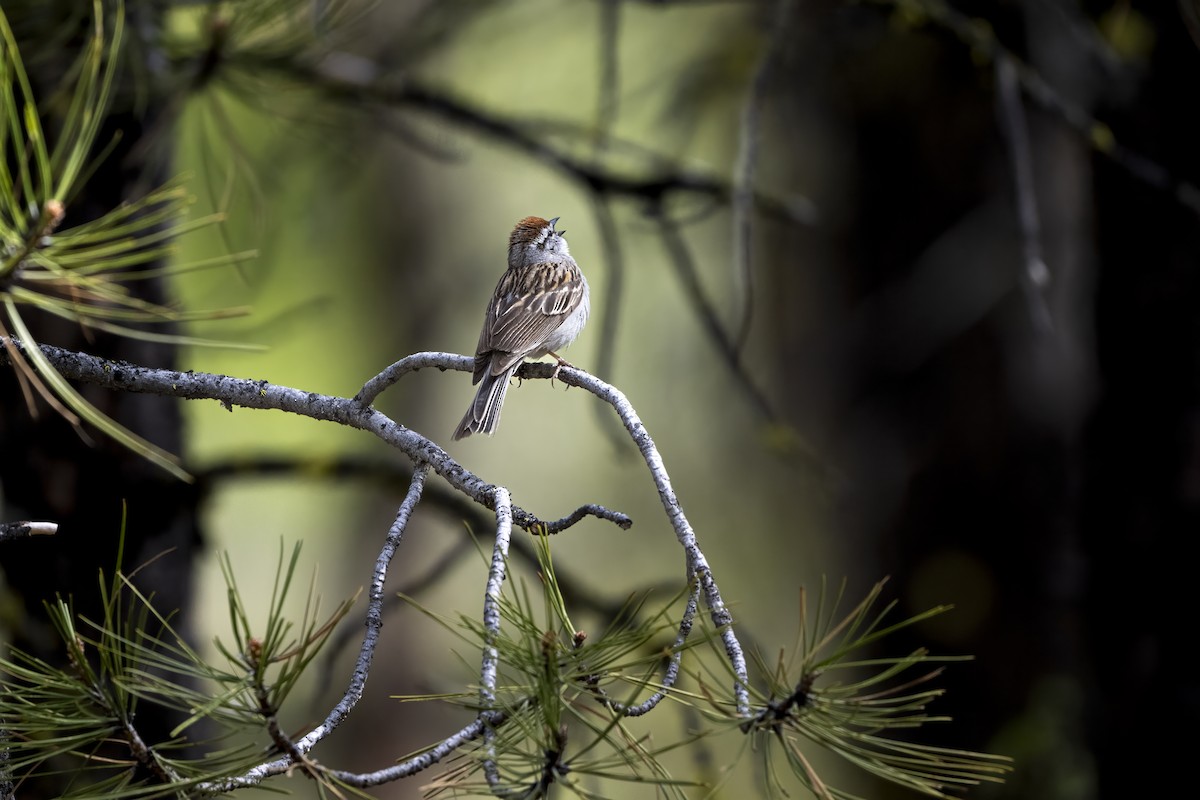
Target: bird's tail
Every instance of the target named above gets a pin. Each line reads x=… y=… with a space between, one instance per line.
x=484 y=414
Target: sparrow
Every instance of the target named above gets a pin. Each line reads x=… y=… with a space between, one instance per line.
x=539 y=306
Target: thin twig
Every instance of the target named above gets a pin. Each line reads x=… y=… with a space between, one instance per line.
x=610 y=79
x=259 y=394
x=10 y=531
x=474 y=730
x=742 y=205
x=590 y=510
x=437 y=572
x=672 y=673
x=362 y=668
x=374 y=622
x=685 y=268
x=982 y=40
x=394 y=372
x=697 y=562
x=665 y=177
x=282 y=741
x=490 y=664
x=610 y=244
x=1035 y=275
x=491 y=600
x=145 y=755
x=124 y=376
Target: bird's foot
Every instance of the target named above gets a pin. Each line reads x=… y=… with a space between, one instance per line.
x=562 y=362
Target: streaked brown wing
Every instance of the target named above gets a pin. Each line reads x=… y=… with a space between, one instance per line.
x=527 y=306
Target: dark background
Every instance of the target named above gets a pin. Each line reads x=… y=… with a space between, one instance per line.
x=907 y=403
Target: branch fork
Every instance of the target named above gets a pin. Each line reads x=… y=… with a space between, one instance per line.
x=426 y=455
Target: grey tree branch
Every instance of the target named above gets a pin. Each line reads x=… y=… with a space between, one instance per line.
x=10 y=531
x=672 y=673
x=425 y=454
x=491 y=599
x=6 y=784
x=375 y=601
x=698 y=567
x=298 y=751
x=126 y=377
x=491 y=628
x=487 y=720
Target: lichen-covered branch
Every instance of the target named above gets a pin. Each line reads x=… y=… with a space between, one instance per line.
x=10 y=531
x=426 y=455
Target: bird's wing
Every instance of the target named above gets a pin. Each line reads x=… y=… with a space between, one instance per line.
x=527 y=306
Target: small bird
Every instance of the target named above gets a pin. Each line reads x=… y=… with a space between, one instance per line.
x=540 y=305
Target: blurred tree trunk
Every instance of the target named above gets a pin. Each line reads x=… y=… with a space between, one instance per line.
x=48 y=471
x=1044 y=482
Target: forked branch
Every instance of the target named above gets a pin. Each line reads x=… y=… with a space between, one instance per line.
x=426 y=455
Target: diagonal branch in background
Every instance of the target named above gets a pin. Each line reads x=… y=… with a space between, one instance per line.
x=343 y=77
x=681 y=260
x=665 y=177
x=1015 y=128
x=978 y=34
x=685 y=269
